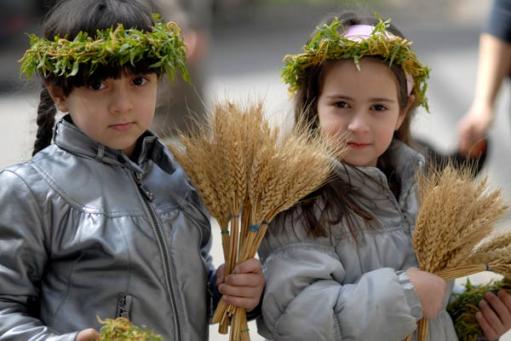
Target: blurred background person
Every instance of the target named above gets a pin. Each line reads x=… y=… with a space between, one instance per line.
x=16 y=18
x=494 y=66
x=181 y=104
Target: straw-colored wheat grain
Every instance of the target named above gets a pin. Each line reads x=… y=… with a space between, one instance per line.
x=222 y=142
x=488 y=208
x=448 y=189
x=502 y=240
x=456 y=214
x=501 y=268
x=199 y=176
x=238 y=163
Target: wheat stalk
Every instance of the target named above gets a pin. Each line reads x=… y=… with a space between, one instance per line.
x=246 y=173
x=456 y=214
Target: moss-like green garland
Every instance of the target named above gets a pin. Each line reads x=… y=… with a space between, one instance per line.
x=465 y=305
x=121 y=329
x=114 y=46
x=328 y=43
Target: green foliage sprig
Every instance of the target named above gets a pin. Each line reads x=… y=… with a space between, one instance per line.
x=328 y=43
x=121 y=329
x=114 y=46
x=465 y=305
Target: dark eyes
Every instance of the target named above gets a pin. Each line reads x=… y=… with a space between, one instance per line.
x=345 y=105
x=341 y=104
x=139 y=81
x=97 y=85
x=101 y=84
x=378 y=107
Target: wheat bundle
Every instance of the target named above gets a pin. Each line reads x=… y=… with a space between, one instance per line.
x=451 y=237
x=246 y=174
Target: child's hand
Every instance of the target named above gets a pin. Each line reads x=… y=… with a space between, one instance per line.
x=495 y=315
x=244 y=287
x=87 y=335
x=431 y=290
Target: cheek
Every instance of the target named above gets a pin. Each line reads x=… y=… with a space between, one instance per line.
x=401 y=118
x=331 y=124
x=149 y=108
x=88 y=115
x=89 y=127
x=149 y=117
x=149 y=98
x=385 y=134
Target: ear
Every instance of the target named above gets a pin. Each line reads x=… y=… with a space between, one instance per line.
x=58 y=97
x=405 y=111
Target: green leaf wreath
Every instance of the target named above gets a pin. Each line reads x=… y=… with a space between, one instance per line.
x=113 y=46
x=329 y=43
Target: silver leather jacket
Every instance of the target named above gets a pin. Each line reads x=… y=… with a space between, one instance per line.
x=85 y=232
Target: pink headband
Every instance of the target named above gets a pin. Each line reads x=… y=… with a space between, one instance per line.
x=360 y=32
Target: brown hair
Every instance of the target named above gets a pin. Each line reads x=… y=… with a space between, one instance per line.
x=339 y=199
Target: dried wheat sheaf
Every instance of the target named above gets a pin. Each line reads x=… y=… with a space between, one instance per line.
x=246 y=173
x=453 y=233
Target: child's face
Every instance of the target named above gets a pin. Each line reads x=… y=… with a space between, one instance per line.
x=114 y=112
x=363 y=104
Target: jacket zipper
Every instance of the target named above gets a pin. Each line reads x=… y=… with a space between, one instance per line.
x=162 y=246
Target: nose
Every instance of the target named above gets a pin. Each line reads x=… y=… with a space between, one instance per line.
x=121 y=101
x=358 y=123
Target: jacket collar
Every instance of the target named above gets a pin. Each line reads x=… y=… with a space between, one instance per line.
x=70 y=138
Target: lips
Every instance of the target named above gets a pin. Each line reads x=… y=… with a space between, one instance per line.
x=121 y=126
x=358 y=144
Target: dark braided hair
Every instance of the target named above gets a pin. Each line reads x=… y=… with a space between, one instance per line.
x=66 y=19
x=45 y=121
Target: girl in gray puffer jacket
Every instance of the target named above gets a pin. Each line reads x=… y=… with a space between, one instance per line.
x=340 y=264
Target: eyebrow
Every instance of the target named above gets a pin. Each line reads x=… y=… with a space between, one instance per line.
x=373 y=99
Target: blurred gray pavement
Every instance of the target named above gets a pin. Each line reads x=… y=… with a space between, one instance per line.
x=245 y=58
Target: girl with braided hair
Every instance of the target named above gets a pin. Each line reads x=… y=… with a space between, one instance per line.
x=102 y=222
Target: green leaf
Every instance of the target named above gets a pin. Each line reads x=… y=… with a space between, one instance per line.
x=329 y=43
x=75 y=69
x=114 y=46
